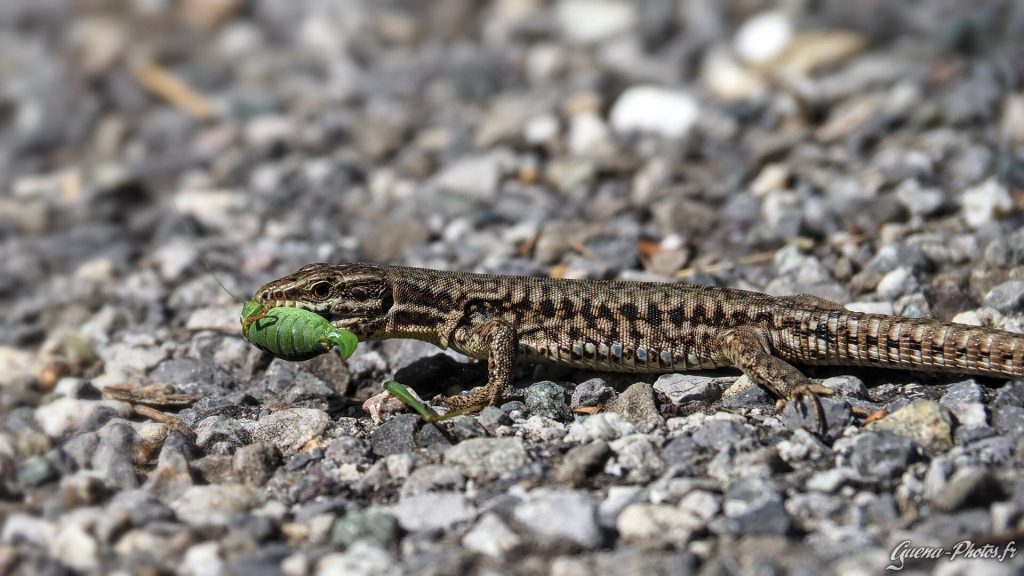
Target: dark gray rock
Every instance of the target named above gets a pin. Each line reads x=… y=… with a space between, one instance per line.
x=969 y=487
x=801 y=414
x=636 y=405
x=593 y=392
x=113 y=455
x=753 y=506
x=193 y=376
x=547 y=399
x=255 y=463
x=882 y=455
x=220 y=434
x=396 y=436
x=582 y=462
x=432 y=478
x=348 y=450
x=1007 y=297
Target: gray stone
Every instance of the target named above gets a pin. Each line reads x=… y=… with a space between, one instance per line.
x=480 y=458
x=113 y=455
x=636 y=405
x=593 y=392
x=374 y=525
x=361 y=559
x=1007 y=297
x=396 y=436
x=552 y=516
x=927 y=422
x=801 y=414
x=582 y=462
x=348 y=450
x=254 y=464
x=192 y=376
x=35 y=472
x=292 y=430
x=432 y=478
x=684 y=388
x=215 y=505
x=601 y=426
x=638 y=457
x=882 y=455
x=490 y=536
x=753 y=506
x=294 y=384
x=964 y=400
x=220 y=434
x=657 y=526
x=1009 y=420
x=433 y=511
x=969 y=487
x=547 y=399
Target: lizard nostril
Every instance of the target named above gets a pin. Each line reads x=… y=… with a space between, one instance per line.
x=265 y=295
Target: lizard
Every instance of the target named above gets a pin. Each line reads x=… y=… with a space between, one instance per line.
x=632 y=326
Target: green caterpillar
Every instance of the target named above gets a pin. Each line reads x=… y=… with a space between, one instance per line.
x=293 y=334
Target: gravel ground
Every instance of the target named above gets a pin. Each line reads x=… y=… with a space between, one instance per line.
x=868 y=152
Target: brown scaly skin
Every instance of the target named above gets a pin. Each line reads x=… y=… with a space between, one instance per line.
x=633 y=327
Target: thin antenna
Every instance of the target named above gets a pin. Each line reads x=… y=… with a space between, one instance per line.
x=192 y=235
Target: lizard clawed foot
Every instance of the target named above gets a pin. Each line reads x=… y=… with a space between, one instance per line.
x=811 y=391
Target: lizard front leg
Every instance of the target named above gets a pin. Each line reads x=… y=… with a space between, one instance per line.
x=747 y=348
x=499 y=341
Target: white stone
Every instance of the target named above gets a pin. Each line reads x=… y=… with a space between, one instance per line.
x=560 y=515
x=16 y=367
x=773 y=177
x=491 y=537
x=870 y=307
x=729 y=80
x=215 y=505
x=984 y=202
x=74 y=547
x=656 y=525
x=202 y=559
x=763 y=37
x=475 y=177
x=591 y=21
x=20 y=528
x=918 y=200
x=652 y=109
x=541 y=129
x=65 y=415
x=433 y=511
x=589 y=136
x=897 y=282
x=361 y=559
x=603 y=426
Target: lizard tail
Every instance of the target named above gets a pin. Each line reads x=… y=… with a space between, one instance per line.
x=845 y=338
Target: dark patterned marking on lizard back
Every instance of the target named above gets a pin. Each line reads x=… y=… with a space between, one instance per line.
x=677 y=315
x=629 y=310
x=653 y=314
x=547 y=308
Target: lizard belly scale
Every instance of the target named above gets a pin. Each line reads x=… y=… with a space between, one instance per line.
x=616 y=357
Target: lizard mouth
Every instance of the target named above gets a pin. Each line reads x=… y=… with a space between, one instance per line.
x=336 y=318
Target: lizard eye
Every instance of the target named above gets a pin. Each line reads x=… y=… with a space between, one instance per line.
x=320 y=289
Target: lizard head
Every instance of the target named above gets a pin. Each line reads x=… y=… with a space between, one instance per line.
x=351 y=296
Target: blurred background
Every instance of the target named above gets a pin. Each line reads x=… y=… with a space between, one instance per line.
x=868 y=152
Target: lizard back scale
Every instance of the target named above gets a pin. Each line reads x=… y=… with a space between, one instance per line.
x=628 y=326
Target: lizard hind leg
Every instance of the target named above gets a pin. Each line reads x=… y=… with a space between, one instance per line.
x=747 y=348
x=501 y=343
